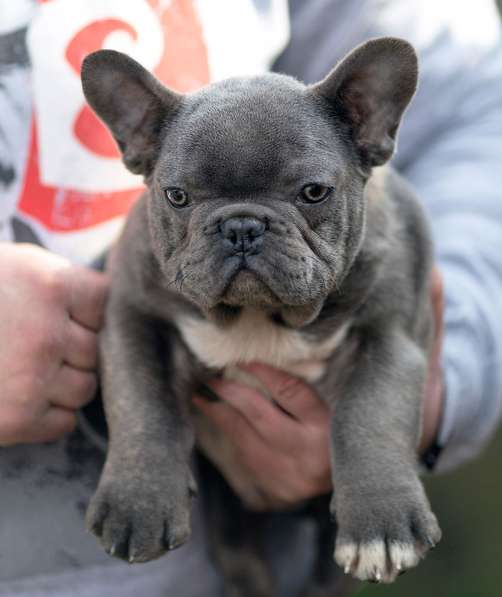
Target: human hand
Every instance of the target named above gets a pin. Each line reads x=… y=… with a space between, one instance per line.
x=434 y=389
x=284 y=447
x=50 y=312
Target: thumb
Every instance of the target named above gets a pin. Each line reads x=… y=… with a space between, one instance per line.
x=87 y=295
x=291 y=393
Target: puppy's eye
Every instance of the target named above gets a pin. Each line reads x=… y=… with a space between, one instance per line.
x=177 y=197
x=314 y=193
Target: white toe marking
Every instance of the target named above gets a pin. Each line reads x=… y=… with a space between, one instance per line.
x=403 y=555
x=345 y=555
x=369 y=561
x=372 y=561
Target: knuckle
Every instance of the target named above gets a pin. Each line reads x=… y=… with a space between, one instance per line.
x=55 y=286
x=84 y=387
x=250 y=465
x=316 y=477
x=30 y=396
x=91 y=346
x=46 y=336
x=58 y=430
x=66 y=426
x=287 y=496
x=224 y=418
x=75 y=389
x=239 y=428
x=246 y=454
x=100 y=289
x=87 y=349
x=289 y=388
x=14 y=426
x=437 y=281
x=47 y=340
x=318 y=434
x=256 y=414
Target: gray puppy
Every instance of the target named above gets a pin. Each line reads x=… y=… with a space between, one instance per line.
x=267 y=233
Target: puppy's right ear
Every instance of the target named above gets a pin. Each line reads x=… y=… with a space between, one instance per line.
x=370 y=89
x=131 y=102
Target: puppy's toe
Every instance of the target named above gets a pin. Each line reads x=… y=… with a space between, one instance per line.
x=403 y=556
x=366 y=561
x=346 y=556
x=137 y=527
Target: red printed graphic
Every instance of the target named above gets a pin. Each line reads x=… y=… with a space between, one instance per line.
x=87 y=127
x=183 y=66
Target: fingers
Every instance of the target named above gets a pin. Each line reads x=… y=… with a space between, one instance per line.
x=81 y=347
x=249 y=462
x=56 y=423
x=434 y=395
x=50 y=426
x=255 y=454
x=437 y=298
x=72 y=388
x=88 y=291
x=230 y=422
x=237 y=429
x=49 y=416
x=268 y=421
x=274 y=478
x=292 y=394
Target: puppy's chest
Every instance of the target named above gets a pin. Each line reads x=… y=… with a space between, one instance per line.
x=255 y=338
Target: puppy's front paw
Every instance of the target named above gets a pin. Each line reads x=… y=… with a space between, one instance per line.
x=137 y=519
x=381 y=537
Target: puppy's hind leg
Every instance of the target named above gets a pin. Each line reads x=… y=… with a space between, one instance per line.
x=235 y=537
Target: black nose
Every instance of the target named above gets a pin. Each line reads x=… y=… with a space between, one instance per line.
x=243 y=235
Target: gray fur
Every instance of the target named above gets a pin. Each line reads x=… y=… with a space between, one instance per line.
x=244 y=148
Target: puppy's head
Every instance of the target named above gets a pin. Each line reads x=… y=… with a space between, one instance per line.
x=256 y=185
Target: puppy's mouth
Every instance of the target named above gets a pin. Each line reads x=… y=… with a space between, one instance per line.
x=246 y=287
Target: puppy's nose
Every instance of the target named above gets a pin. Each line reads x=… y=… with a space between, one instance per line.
x=242 y=235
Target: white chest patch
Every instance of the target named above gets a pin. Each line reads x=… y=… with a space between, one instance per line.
x=255 y=338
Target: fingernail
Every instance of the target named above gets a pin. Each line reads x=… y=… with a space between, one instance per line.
x=208 y=394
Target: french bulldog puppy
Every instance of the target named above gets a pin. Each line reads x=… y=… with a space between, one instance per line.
x=269 y=232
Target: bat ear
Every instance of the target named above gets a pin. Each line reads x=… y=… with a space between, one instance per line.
x=131 y=102
x=370 y=90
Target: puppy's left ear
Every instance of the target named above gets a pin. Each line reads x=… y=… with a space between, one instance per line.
x=369 y=90
x=131 y=102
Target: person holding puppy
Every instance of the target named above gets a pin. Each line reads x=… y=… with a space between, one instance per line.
x=51 y=308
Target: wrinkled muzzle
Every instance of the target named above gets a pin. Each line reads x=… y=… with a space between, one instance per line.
x=249 y=255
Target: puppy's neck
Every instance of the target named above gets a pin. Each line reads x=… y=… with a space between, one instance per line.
x=255 y=337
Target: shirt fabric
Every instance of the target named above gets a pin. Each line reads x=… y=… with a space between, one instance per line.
x=449 y=149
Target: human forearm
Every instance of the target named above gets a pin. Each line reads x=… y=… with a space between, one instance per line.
x=459 y=179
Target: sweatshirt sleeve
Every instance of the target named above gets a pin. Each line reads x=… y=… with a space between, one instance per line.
x=450 y=149
x=457 y=172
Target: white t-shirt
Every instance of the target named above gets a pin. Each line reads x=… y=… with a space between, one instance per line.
x=67 y=187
